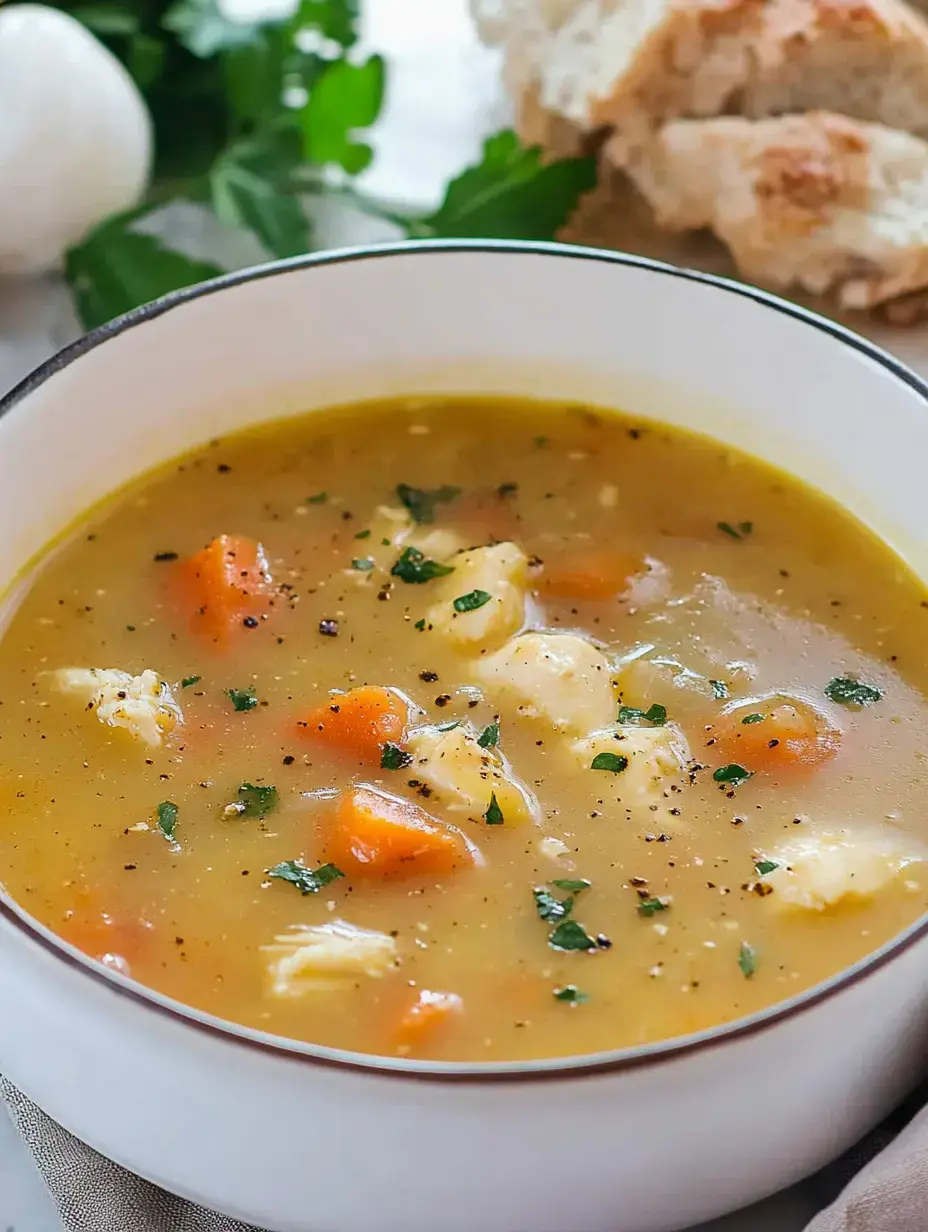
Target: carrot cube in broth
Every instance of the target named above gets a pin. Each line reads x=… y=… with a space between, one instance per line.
x=429 y=1014
x=359 y=722
x=775 y=733
x=590 y=574
x=227 y=585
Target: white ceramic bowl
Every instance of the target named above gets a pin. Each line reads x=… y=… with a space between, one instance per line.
x=302 y=1139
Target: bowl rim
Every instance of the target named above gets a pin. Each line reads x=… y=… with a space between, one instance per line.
x=569 y=1067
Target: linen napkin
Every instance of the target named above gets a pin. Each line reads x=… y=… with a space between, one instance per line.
x=881 y=1184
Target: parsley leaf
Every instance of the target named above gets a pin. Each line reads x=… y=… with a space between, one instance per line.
x=202 y=29
x=494 y=814
x=614 y=762
x=569 y=935
x=719 y=690
x=847 y=691
x=489 y=737
x=189 y=681
x=320 y=498
x=420 y=624
x=257 y=801
x=739 y=532
x=413 y=566
x=363 y=534
x=472 y=601
x=363 y=565
x=306 y=880
x=731 y=775
x=245 y=186
x=650 y=906
x=552 y=909
x=763 y=867
x=393 y=757
x=656 y=714
x=421 y=502
x=571 y=995
x=572 y=884
x=167 y=818
x=747 y=960
x=344 y=99
x=243 y=699
x=510 y=194
x=752 y=718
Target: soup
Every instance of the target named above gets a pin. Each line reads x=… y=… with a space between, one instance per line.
x=468 y=730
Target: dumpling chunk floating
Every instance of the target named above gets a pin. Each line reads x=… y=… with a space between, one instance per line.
x=464 y=777
x=638 y=765
x=142 y=705
x=558 y=678
x=322 y=956
x=482 y=602
x=820 y=871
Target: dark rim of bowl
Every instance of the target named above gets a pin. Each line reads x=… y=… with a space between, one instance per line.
x=477 y=1072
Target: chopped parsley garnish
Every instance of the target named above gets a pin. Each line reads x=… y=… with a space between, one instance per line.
x=847 y=691
x=570 y=994
x=573 y=885
x=257 y=801
x=489 y=737
x=731 y=775
x=167 y=818
x=189 y=681
x=473 y=600
x=363 y=534
x=569 y=935
x=763 y=867
x=413 y=566
x=655 y=714
x=739 y=532
x=494 y=814
x=363 y=564
x=393 y=757
x=243 y=699
x=319 y=499
x=650 y=906
x=719 y=689
x=420 y=624
x=753 y=718
x=613 y=762
x=306 y=880
x=747 y=960
x=421 y=502
x=552 y=909
x=385 y=543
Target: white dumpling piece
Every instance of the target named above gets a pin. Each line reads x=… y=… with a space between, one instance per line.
x=315 y=957
x=500 y=571
x=558 y=678
x=142 y=705
x=656 y=756
x=462 y=776
x=816 y=872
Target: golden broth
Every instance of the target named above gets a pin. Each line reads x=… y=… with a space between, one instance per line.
x=737 y=575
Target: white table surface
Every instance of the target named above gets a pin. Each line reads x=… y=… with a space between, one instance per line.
x=443 y=98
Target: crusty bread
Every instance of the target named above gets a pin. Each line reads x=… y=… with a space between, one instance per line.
x=817 y=200
x=631 y=65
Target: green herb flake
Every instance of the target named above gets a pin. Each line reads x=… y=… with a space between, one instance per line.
x=573 y=885
x=763 y=867
x=189 y=681
x=570 y=994
x=243 y=699
x=752 y=718
x=650 y=906
x=167 y=813
x=320 y=498
x=847 y=691
x=472 y=601
x=747 y=960
x=363 y=564
x=552 y=909
x=489 y=737
x=719 y=690
x=420 y=624
x=615 y=763
x=421 y=502
x=413 y=566
x=731 y=775
x=393 y=757
x=494 y=814
x=569 y=935
x=629 y=715
x=386 y=543
x=257 y=801
x=738 y=532
x=306 y=880
x=363 y=534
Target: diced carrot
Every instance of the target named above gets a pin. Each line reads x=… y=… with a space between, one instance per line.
x=429 y=1013
x=375 y=834
x=116 y=941
x=774 y=733
x=359 y=722
x=226 y=584
x=590 y=574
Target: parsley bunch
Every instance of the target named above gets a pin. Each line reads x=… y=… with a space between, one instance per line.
x=251 y=119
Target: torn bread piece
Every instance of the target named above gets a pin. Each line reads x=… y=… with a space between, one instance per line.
x=142 y=705
x=463 y=777
x=816 y=201
x=482 y=602
x=316 y=957
x=821 y=871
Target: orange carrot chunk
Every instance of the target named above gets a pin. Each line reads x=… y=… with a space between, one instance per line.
x=226 y=586
x=778 y=733
x=429 y=1014
x=590 y=574
x=379 y=835
x=359 y=722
